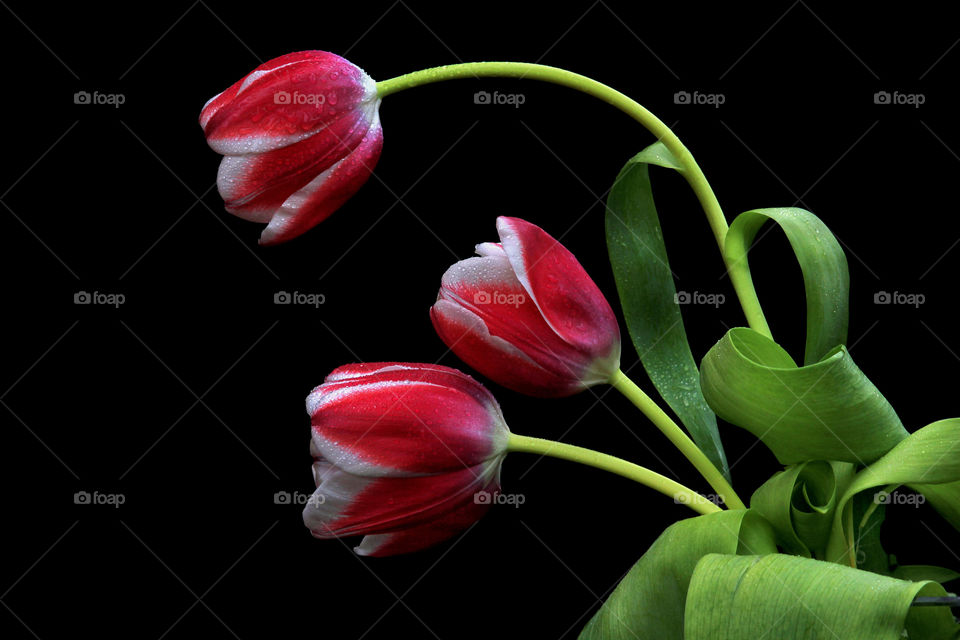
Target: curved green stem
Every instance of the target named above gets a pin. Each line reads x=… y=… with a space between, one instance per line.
x=690 y=169
x=678 y=437
x=589 y=457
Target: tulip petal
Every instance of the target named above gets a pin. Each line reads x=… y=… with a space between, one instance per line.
x=345 y=504
x=418 y=371
x=485 y=249
x=255 y=186
x=217 y=102
x=426 y=535
x=571 y=303
x=326 y=193
x=364 y=369
x=494 y=356
x=398 y=423
x=284 y=101
x=488 y=289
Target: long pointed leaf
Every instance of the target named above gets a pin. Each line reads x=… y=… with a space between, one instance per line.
x=648 y=297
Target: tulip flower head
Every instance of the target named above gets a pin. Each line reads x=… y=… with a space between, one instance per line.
x=526 y=314
x=300 y=134
x=406 y=455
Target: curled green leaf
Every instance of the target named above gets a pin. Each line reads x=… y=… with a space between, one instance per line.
x=648 y=603
x=735 y=597
x=799 y=503
x=926 y=459
x=826 y=279
x=828 y=410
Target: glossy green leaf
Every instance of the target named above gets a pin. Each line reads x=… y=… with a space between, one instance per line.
x=926 y=458
x=779 y=596
x=799 y=503
x=824 y=411
x=826 y=279
x=649 y=298
x=648 y=603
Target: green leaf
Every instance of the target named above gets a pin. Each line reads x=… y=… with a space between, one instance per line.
x=779 y=596
x=648 y=603
x=800 y=502
x=826 y=279
x=868 y=517
x=648 y=297
x=945 y=498
x=824 y=411
x=920 y=572
x=925 y=459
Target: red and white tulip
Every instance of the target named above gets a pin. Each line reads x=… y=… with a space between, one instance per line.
x=406 y=455
x=300 y=134
x=526 y=314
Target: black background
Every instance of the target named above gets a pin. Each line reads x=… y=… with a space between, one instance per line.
x=188 y=398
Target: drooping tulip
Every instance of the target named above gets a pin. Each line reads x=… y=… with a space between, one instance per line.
x=405 y=454
x=526 y=315
x=300 y=134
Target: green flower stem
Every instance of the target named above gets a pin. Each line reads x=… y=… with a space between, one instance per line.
x=589 y=457
x=678 y=437
x=739 y=277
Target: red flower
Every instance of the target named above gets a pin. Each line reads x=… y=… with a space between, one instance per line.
x=300 y=134
x=527 y=315
x=406 y=455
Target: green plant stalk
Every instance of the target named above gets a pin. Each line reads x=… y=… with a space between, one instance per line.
x=678 y=437
x=589 y=457
x=739 y=276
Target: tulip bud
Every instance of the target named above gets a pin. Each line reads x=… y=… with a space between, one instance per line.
x=526 y=315
x=401 y=453
x=300 y=134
